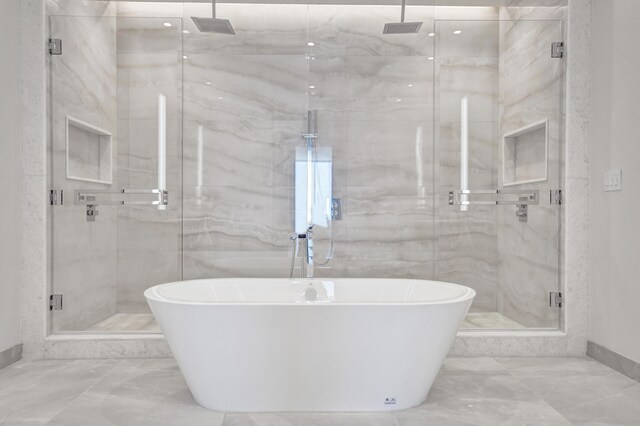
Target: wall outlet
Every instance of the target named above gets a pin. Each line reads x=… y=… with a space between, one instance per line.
x=613 y=180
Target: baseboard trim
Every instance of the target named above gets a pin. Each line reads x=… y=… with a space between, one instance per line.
x=614 y=360
x=11 y=355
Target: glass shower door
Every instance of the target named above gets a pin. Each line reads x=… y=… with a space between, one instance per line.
x=115 y=126
x=499 y=148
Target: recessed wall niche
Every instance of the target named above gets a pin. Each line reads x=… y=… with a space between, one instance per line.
x=525 y=154
x=88 y=152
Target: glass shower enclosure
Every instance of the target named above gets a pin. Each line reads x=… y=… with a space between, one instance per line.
x=179 y=155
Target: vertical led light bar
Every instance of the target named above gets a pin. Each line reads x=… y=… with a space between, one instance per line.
x=464 y=152
x=162 y=145
x=200 y=167
x=200 y=164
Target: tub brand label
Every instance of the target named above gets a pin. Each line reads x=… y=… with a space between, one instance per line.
x=389 y=401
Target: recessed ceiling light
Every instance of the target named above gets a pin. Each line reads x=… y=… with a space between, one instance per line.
x=167 y=24
x=220 y=97
x=456 y=32
x=431 y=58
x=431 y=34
x=312 y=87
x=409 y=85
x=208 y=83
x=185 y=57
x=311 y=44
x=186 y=32
x=398 y=100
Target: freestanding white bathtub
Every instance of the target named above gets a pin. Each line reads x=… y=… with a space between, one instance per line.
x=309 y=345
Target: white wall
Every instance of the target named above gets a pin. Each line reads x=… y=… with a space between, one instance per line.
x=614 y=238
x=10 y=175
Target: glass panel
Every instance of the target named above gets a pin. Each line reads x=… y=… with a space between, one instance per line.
x=246 y=105
x=388 y=145
x=497 y=84
x=114 y=92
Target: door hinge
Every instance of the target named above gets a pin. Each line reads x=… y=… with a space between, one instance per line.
x=55 y=302
x=555 y=299
x=555 y=197
x=55 y=46
x=56 y=197
x=557 y=49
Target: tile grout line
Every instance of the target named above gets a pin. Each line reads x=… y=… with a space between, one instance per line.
x=98 y=380
x=395 y=418
x=541 y=398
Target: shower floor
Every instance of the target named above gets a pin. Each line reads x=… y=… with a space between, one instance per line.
x=489 y=320
x=147 y=323
x=127 y=322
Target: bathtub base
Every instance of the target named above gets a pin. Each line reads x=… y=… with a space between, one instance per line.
x=252 y=345
x=307 y=358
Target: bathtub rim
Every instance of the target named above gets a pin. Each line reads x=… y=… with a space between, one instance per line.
x=151 y=294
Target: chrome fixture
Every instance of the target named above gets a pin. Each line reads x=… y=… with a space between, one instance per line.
x=123 y=197
x=336 y=209
x=213 y=24
x=522 y=210
x=402 y=27
x=55 y=46
x=307 y=261
x=555 y=299
x=308 y=253
x=499 y=197
x=557 y=50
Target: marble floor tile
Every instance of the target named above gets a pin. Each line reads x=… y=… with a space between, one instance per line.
x=35 y=392
x=139 y=392
x=468 y=391
x=479 y=411
x=618 y=408
x=551 y=366
x=311 y=419
x=469 y=365
x=572 y=385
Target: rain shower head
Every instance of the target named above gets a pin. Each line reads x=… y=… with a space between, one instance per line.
x=402 y=27
x=213 y=25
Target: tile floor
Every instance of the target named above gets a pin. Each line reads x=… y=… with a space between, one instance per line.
x=468 y=391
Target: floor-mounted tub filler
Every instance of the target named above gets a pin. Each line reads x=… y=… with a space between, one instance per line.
x=309 y=345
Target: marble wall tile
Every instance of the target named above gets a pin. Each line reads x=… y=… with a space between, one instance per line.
x=530 y=91
x=261 y=29
x=466 y=242
x=249 y=87
x=83 y=86
x=149 y=239
x=341 y=30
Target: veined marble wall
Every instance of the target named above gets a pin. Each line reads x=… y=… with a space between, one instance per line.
x=467 y=65
x=250 y=95
x=83 y=86
x=531 y=85
x=149 y=239
x=247 y=96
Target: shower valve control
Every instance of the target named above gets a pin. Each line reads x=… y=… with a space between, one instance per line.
x=336 y=209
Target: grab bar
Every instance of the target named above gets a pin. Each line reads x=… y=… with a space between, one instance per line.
x=497 y=197
x=524 y=197
x=123 y=197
